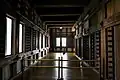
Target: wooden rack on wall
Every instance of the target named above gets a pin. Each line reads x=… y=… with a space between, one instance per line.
x=110 y=53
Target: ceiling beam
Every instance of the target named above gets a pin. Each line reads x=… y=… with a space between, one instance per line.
x=60 y=24
x=61 y=15
x=59 y=27
x=58 y=21
x=57 y=6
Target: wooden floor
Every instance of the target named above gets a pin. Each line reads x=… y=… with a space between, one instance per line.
x=52 y=73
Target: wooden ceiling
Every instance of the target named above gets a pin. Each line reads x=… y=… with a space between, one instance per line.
x=59 y=12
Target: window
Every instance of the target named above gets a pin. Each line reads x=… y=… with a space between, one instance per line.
x=40 y=41
x=57 y=42
x=8 y=36
x=47 y=42
x=43 y=41
x=20 y=37
x=37 y=40
x=63 y=42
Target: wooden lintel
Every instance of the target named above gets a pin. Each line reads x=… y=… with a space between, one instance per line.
x=61 y=15
x=57 y=6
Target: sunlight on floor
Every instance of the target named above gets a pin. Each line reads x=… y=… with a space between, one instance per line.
x=65 y=63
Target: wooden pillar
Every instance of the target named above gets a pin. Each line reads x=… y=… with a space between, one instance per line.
x=2 y=29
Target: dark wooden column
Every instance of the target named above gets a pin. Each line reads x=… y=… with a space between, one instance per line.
x=2 y=28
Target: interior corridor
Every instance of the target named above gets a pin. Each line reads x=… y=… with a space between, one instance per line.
x=85 y=30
